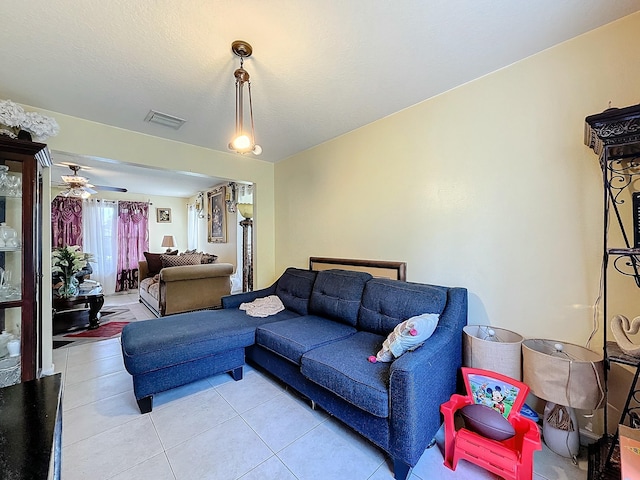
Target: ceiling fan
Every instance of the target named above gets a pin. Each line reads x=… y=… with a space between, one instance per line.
x=78 y=186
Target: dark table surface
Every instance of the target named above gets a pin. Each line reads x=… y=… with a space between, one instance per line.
x=30 y=427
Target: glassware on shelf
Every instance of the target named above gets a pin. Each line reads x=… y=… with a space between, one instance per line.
x=8 y=291
x=8 y=236
x=3 y=176
x=13 y=346
x=5 y=337
x=14 y=184
x=10 y=184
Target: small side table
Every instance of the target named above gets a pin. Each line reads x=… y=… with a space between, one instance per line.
x=65 y=307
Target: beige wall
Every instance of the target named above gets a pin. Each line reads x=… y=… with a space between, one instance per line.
x=488 y=186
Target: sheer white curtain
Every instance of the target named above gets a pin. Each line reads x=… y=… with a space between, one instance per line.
x=100 y=238
x=192 y=228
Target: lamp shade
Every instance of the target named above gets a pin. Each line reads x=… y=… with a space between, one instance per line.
x=494 y=349
x=564 y=373
x=168 y=241
x=246 y=209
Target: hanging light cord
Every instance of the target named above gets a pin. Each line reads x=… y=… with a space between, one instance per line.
x=253 y=133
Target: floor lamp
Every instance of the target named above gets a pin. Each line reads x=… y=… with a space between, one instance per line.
x=567 y=376
x=246 y=210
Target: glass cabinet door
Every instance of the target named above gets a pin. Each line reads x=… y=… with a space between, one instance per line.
x=11 y=271
x=20 y=258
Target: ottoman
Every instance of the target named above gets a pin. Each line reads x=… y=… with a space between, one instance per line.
x=168 y=352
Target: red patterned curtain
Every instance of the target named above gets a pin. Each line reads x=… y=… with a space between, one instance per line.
x=66 y=222
x=133 y=240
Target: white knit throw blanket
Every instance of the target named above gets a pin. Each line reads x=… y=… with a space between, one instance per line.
x=263 y=307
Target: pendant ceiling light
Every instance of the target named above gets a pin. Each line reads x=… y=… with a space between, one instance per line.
x=243 y=141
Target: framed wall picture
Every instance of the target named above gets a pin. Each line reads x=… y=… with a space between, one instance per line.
x=217 y=214
x=163 y=215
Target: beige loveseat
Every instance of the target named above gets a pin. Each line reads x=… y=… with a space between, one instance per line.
x=184 y=288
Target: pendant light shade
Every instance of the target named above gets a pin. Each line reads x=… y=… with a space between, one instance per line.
x=243 y=140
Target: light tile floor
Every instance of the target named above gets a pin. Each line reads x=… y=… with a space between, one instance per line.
x=220 y=429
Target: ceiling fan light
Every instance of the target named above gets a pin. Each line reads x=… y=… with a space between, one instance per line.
x=257 y=149
x=74 y=179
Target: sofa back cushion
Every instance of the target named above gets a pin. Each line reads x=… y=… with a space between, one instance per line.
x=294 y=289
x=336 y=295
x=154 y=262
x=180 y=260
x=386 y=303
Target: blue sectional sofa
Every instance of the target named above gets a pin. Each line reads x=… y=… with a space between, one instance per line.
x=319 y=345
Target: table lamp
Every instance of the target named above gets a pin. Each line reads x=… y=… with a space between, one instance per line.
x=494 y=349
x=567 y=376
x=169 y=242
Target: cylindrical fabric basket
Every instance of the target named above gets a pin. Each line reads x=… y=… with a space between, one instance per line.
x=500 y=352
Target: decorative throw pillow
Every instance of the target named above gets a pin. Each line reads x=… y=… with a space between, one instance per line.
x=154 y=262
x=179 y=260
x=406 y=336
x=209 y=258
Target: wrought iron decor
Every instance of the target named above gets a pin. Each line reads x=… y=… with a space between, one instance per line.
x=615 y=136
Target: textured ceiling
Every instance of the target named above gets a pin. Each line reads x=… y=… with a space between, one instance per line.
x=319 y=68
x=136 y=179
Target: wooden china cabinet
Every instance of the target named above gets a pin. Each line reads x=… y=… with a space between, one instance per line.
x=21 y=164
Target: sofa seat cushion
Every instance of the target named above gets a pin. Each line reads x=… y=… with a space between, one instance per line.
x=154 y=290
x=336 y=295
x=386 y=303
x=342 y=368
x=146 y=283
x=293 y=338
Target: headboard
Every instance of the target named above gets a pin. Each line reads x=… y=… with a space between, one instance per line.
x=377 y=268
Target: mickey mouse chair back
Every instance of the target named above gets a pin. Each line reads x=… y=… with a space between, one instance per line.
x=495 y=436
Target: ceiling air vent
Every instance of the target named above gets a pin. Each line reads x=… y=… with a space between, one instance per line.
x=164 y=119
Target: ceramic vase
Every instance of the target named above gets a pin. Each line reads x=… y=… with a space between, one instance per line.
x=562 y=439
x=14 y=347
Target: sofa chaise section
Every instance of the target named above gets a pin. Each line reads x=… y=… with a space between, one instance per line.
x=168 y=352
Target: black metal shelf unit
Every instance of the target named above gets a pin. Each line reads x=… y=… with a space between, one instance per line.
x=614 y=135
